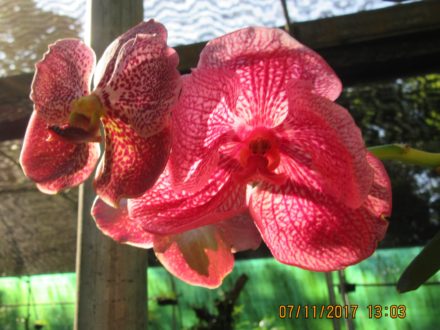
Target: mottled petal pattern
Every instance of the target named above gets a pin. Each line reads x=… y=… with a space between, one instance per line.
x=198 y=257
x=116 y=223
x=313 y=231
x=52 y=163
x=268 y=58
x=240 y=232
x=132 y=163
x=326 y=134
x=144 y=84
x=106 y=64
x=163 y=210
x=63 y=75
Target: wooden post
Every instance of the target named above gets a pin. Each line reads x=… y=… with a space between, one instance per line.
x=111 y=278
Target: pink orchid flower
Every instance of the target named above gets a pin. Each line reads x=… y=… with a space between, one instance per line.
x=136 y=83
x=202 y=256
x=257 y=116
x=256 y=130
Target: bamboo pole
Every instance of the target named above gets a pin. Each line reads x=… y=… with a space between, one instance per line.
x=111 y=278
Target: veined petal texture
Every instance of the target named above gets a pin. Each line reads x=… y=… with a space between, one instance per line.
x=304 y=228
x=116 y=223
x=164 y=210
x=198 y=257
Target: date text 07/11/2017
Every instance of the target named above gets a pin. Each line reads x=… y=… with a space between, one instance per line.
x=340 y=311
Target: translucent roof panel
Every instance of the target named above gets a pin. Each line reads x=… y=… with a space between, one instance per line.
x=306 y=10
x=27 y=27
x=191 y=21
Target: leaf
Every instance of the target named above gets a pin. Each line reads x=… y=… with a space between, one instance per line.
x=425 y=265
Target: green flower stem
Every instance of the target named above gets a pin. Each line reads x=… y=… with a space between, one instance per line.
x=406 y=154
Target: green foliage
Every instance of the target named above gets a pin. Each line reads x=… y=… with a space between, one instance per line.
x=8 y=316
x=404 y=111
x=270 y=285
x=425 y=265
x=45 y=300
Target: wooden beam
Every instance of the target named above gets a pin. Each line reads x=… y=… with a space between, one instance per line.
x=15 y=106
x=111 y=277
x=374 y=45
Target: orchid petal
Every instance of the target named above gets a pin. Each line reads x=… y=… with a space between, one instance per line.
x=379 y=201
x=266 y=59
x=164 y=210
x=240 y=232
x=144 y=84
x=201 y=118
x=53 y=163
x=236 y=87
x=132 y=164
x=326 y=134
x=305 y=228
x=115 y=223
x=198 y=257
x=64 y=74
x=106 y=63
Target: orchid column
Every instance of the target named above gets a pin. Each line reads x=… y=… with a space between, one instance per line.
x=111 y=278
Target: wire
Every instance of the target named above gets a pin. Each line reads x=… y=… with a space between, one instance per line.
x=287 y=27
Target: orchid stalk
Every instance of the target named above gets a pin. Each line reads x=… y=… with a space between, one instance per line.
x=406 y=154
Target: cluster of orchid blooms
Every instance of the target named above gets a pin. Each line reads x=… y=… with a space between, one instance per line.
x=249 y=146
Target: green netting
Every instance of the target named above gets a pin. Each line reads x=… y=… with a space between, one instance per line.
x=50 y=298
x=270 y=284
x=375 y=278
x=43 y=298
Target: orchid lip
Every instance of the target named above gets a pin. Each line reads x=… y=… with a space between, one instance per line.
x=257 y=170
x=74 y=134
x=259 y=157
x=86 y=112
x=84 y=121
x=88 y=105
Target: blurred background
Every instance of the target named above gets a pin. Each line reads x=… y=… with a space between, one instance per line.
x=386 y=53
